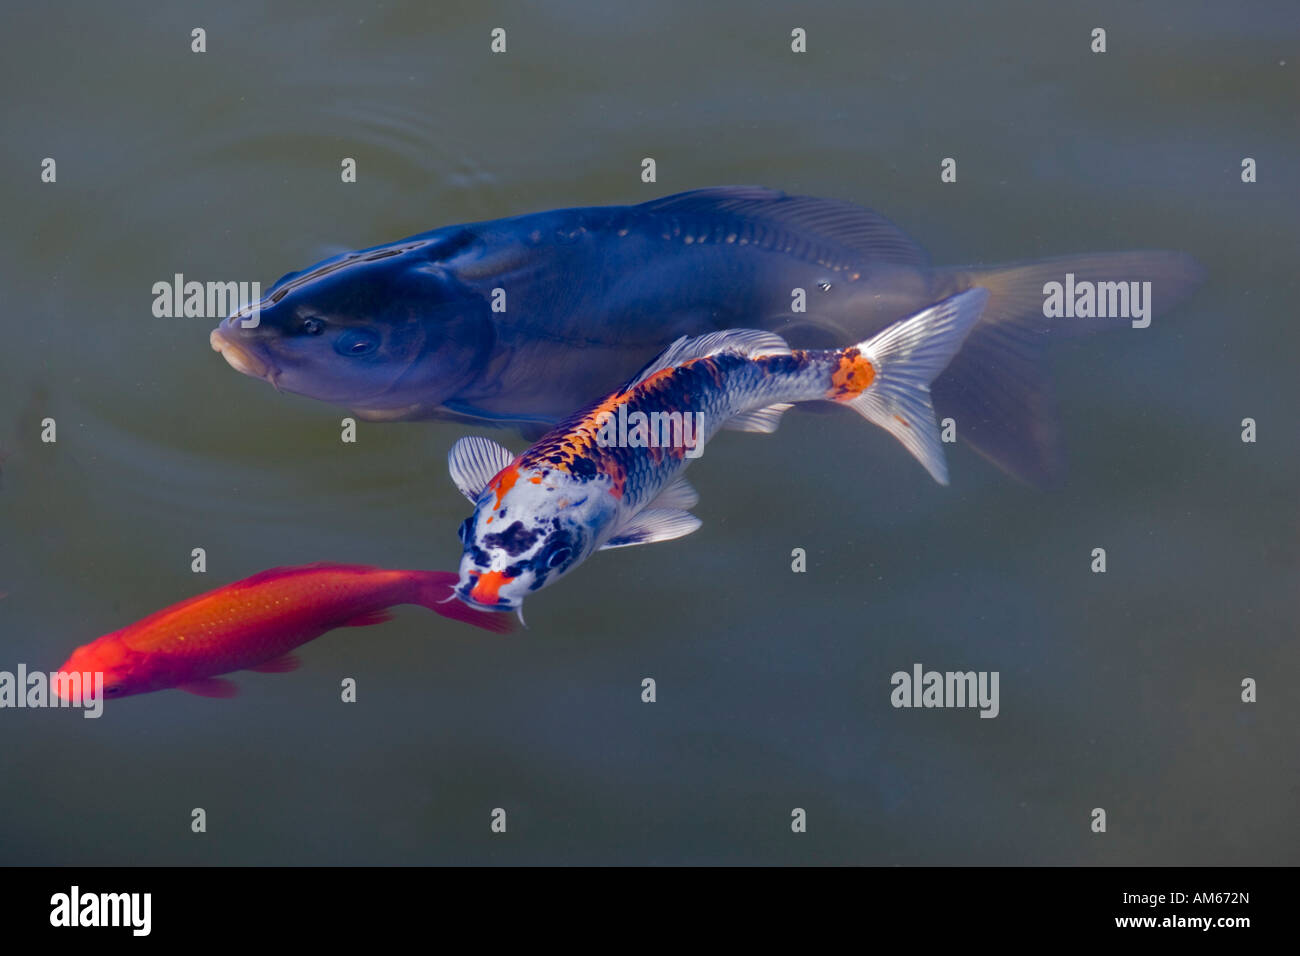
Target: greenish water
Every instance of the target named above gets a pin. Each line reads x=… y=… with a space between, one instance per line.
x=1118 y=691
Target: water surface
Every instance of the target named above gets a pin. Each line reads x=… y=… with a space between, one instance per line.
x=1118 y=691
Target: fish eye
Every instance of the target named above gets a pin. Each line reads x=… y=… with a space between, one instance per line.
x=356 y=342
x=311 y=327
x=558 y=557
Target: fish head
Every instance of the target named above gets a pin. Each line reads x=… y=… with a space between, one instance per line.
x=110 y=657
x=530 y=527
x=386 y=331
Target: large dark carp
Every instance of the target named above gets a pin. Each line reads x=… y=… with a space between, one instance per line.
x=520 y=321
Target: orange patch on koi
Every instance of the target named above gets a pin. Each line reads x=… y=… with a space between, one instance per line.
x=487 y=588
x=503 y=483
x=853 y=375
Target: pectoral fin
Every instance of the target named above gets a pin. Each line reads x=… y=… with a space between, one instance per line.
x=653 y=524
x=474 y=461
x=678 y=496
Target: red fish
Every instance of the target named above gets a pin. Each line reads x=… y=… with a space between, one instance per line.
x=253 y=624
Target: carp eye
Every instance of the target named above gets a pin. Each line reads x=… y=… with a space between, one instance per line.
x=356 y=342
x=312 y=327
x=557 y=558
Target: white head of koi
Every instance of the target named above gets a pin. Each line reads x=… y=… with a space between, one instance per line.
x=530 y=526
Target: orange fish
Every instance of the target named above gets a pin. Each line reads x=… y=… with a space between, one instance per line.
x=253 y=624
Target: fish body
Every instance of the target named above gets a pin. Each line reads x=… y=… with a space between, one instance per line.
x=253 y=624
x=589 y=484
x=519 y=321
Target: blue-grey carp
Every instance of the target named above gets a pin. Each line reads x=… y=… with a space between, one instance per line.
x=520 y=321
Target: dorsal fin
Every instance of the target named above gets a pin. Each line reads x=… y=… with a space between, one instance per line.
x=284 y=280
x=751 y=342
x=777 y=219
x=474 y=461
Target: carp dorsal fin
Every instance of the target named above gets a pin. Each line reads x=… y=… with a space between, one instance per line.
x=754 y=343
x=284 y=280
x=474 y=461
x=712 y=197
x=653 y=524
x=808 y=218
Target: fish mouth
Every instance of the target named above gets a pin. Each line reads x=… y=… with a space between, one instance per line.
x=501 y=605
x=240 y=358
x=465 y=595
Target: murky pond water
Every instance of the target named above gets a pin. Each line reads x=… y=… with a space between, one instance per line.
x=1118 y=690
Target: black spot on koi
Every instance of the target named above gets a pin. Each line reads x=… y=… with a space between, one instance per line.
x=515 y=540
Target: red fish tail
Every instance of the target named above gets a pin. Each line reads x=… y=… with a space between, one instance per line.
x=436 y=591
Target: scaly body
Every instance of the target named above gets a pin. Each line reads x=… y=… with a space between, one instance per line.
x=253 y=624
x=592 y=484
x=519 y=321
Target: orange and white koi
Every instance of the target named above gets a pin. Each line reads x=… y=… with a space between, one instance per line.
x=253 y=624
x=539 y=515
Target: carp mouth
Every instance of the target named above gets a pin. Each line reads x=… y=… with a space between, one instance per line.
x=240 y=358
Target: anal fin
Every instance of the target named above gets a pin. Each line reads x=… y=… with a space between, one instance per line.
x=765 y=420
x=280 y=665
x=368 y=618
x=209 y=687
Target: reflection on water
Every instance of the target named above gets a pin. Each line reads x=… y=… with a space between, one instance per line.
x=1118 y=690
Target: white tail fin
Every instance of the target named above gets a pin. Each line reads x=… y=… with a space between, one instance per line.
x=907 y=357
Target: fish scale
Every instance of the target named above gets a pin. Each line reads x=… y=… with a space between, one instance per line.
x=609 y=476
x=255 y=623
x=715 y=388
x=518 y=321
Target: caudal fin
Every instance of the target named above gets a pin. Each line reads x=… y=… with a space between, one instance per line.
x=437 y=593
x=997 y=387
x=905 y=359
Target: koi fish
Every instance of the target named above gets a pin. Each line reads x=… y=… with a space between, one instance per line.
x=582 y=488
x=253 y=624
x=516 y=322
